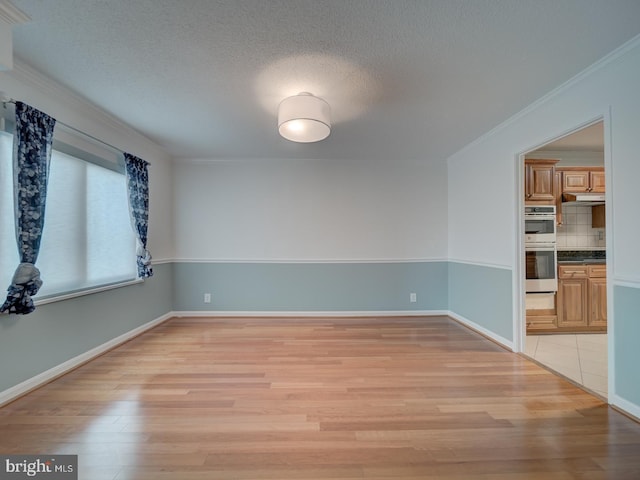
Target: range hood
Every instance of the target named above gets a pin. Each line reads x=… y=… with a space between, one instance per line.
x=589 y=199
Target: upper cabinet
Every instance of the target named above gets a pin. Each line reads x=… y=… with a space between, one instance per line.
x=582 y=179
x=596 y=180
x=539 y=181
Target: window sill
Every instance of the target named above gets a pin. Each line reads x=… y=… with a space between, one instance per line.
x=89 y=291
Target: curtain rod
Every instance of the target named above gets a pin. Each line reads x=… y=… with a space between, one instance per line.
x=6 y=100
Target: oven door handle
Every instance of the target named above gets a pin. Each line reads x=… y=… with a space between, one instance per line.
x=540 y=248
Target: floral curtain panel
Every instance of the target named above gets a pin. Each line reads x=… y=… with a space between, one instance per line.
x=138 y=186
x=31 y=158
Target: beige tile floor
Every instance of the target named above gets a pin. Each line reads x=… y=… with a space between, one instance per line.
x=580 y=357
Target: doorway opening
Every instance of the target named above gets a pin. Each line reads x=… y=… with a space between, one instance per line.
x=566 y=320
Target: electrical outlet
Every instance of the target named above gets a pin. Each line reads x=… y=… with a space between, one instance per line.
x=207 y=298
x=413 y=298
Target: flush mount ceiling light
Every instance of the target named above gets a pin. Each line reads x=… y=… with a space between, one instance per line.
x=304 y=118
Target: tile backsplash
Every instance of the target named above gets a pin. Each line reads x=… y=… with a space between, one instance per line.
x=576 y=233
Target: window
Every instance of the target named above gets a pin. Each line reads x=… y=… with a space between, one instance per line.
x=87 y=240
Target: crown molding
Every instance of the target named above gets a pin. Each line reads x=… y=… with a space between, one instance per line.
x=24 y=73
x=12 y=14
x=45 y=84
x=587 y=72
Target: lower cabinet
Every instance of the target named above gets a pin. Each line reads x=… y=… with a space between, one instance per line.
x=579 y=306
x=598 y=295
x=541 y=323
x=582 y=297
x=572 y=302
x=541 y=311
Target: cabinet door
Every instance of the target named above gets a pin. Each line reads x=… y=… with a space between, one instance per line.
x=598 y=302
x=598 y=216
x=572 y=302
x=575 y=182
x=540 y=184
x=597 y=182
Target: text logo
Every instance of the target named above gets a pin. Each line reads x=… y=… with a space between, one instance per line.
x=43 y=467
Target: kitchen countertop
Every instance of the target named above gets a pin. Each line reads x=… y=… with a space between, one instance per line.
x=581 y=257
x=585 y=261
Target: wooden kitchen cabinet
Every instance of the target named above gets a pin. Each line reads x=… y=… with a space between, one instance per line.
x=596 y=181
x=539 y=181
x=582 y=179
x=598 y=216
x=541 y=312
x=582 y=297
x=541 y=323
x=598 y=295
x=572 y=296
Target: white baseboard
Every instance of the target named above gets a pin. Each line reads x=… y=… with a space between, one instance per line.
x=481 y=330
x=45 y=377
x=625 y=406
x=315 y=313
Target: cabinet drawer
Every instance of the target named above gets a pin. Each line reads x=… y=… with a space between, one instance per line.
x=542 y=322
x=573 y=271
x=597 y=271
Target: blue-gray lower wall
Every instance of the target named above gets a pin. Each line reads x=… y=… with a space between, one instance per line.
x=280 y=287
x=626 y=341
x=482 y=294
x=57 y=332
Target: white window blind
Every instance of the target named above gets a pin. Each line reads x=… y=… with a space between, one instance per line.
x=87 y=240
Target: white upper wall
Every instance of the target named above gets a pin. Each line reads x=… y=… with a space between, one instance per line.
x=483 y=193
x=25 y=84
x=306 y=210
x=298 y=210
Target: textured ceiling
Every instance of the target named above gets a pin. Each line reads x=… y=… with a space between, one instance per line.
x=406 y=79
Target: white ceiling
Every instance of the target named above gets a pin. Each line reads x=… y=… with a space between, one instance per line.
x=406 y=79
x=588 y=139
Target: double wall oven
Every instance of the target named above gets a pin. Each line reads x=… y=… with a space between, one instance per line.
x=540 y=249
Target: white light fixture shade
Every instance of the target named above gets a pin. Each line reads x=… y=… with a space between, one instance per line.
x=304 y=118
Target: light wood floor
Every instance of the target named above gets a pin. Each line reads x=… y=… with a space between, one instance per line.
x=392 y=398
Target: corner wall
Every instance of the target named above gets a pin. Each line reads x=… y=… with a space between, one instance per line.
x=477 y=298
x=58 y=332
x=485 y=174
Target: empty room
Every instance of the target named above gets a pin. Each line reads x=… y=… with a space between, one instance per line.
x=319 y=239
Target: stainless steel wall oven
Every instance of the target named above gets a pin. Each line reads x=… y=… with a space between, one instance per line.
x=541 y=259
